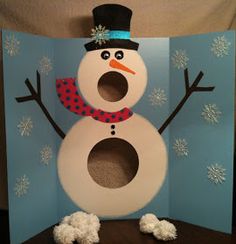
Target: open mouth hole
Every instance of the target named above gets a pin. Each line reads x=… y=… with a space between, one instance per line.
x=113 y=163
x=112 y=86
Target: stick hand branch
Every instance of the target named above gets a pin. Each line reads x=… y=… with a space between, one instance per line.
x=188 y=92
x=36 y=95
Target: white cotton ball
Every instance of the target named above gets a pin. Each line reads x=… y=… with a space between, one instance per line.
x=93 y=222
x=86 y=227
x=165 y=231
x=64 y=234
x=90 y=237
x=65 y=220
x=80 y=234
x=147 y=223
x=79 y=220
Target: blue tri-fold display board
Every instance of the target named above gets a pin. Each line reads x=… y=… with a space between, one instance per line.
x=189 y=99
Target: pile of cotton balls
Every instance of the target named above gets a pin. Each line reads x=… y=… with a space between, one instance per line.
x=80 y=227
x=162 y=230
x=83 y=228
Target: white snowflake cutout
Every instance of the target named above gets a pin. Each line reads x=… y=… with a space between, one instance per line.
x=45 y=65
x=211 y=113
x=220 y=46
x=25 y=126
x=100 y=34
x=46 y=154
x=157 y=97
x=21 y=186
x=181 y=147
x=12 y=45
x=180 y=59
x=216 y=173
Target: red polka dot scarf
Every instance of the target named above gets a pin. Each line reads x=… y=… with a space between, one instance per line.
x=70 y=98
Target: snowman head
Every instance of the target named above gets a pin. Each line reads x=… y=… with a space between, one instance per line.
x=112 y=79
x=112 y=75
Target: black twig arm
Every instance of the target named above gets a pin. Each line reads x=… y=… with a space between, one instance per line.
x=36 y=95
x=188 y=92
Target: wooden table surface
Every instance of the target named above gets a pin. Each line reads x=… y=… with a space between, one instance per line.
x=127 y=232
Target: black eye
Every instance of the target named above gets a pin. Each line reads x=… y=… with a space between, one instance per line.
x=119 y=55
x=105 y=55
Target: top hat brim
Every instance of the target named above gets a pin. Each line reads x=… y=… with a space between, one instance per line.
x=113 y=43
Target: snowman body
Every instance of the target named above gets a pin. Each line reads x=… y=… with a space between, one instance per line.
x=112 y=79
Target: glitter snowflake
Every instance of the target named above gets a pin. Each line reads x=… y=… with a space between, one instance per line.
x=45 y=65
x=25 y=126
x=21 y=186
x=12 y=45
x=181 y=147
x=211 y=113
x=100 y=34
x=46 y=154
x=220 y=46
x=216 y=173
x=179 y=59
x=157 y=97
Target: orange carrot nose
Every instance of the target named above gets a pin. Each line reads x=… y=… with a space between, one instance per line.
x=115 y=64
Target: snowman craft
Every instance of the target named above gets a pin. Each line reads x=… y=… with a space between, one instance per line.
x=111 y=61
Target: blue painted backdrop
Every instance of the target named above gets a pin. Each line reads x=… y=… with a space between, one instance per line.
x=38 y=209
x=192 y=197
x=187 y=194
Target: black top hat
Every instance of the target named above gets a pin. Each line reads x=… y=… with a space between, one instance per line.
x=112 y=28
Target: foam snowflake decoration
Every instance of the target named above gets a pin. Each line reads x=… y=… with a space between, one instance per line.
x=179 y=59
x=100 y=34
x=12 y=45
x=211 y=113
x=157 y=97
x=21 y=186
x=46 y=154
x=45 y=65
x=216 y=173
x=25 y=126
x=181 y=147
x=220 y=46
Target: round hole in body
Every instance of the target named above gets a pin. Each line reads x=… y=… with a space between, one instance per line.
x=113 y=163
x=112 y=86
